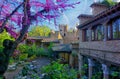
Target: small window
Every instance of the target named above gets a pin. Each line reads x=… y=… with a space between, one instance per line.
x=116 y=29
x=64 y=34
x=113 y=29
x=98 y=33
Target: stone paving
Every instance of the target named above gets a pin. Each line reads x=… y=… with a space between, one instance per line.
x=38 y=63
x=11 y=74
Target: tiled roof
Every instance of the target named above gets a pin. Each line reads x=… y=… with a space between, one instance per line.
x=55 y=37
x=36 y=37
x=50 y=40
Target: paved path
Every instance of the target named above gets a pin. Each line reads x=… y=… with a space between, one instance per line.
x=39 y=62
x=11 y=74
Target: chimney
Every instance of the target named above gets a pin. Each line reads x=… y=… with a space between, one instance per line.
x=83 y=18
x=98 y=8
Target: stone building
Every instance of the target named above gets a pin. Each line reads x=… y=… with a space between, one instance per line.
x=55 y=37
x=99 y=42
x=68 y=36
x=65 y=44
x=71 y=38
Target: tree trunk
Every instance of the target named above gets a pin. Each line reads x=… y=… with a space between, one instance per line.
x=9 y=45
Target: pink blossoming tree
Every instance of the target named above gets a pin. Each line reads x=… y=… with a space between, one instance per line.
x=18 y=14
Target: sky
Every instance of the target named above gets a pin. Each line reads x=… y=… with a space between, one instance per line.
x=69 y=17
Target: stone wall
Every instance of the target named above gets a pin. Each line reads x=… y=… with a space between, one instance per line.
x=113 y=45
x=102 y=56
x=84 y=18
x=70 y=37
x=98 y=8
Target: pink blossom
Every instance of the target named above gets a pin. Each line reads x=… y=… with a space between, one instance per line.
x=45 y=11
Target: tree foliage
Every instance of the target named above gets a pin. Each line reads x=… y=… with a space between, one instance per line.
x=108 y=3
x=4 y=36
x=37 y=10
x=40 y=31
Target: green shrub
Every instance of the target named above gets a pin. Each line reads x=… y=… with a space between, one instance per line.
x=84 y=70
x=115 y=74
x=1 y=48
x=32 y=57
x=55 y=70
x=38 y=54
x=11 y=61
x=97 y=75
x=4 y=35
x=42 y=52
x=50 y=48
x=23 y=57
x=23 y=48
x=34 y=50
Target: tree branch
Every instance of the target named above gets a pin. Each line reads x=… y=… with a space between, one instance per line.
x=7 y=18
x=25 y=24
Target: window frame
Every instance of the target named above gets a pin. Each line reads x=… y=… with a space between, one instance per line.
x=95 y=30
x=117 y=29
x=85 y=36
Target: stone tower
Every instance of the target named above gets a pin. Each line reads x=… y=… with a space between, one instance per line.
x=63 y=29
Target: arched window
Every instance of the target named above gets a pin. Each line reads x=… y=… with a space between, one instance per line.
x=116 y=29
